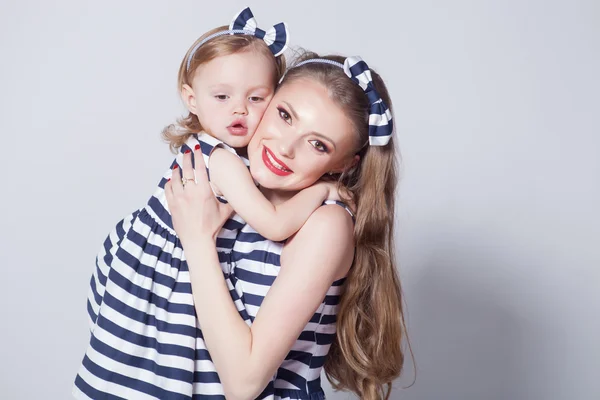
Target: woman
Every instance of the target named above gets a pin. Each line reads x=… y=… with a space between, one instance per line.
x=316 y=127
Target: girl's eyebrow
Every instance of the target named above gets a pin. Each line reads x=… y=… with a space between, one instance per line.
x=228 y=86
x=220 y=86
x=259 y=87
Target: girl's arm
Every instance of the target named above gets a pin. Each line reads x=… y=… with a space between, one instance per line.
x=246 y=358
x=232 y=179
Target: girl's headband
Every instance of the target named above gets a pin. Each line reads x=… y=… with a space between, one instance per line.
x=244 y=23
x=381 y=125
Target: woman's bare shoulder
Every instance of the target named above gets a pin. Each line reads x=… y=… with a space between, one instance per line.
x=330 y=228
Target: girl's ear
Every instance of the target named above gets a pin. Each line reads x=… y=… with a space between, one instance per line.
x=189 y=98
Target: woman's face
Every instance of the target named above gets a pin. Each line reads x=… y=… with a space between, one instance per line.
x=302 y=135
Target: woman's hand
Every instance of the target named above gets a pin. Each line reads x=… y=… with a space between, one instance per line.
x=197 y=215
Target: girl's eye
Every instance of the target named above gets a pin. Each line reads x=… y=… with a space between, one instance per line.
x=284 y=115
x=320 y=146
x=221 y=97
x=256 y=99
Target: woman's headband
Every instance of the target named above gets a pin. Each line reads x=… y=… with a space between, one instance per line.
x=381 y=125
x=244 y=23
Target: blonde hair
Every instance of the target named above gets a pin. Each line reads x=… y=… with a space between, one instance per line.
x=177 y=134
x=367 y=354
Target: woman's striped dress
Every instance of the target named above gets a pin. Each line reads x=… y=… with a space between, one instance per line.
x=255 y=263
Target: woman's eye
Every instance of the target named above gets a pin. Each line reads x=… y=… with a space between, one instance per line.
x=320 y=146
x=221 y=96
x=284 y=115
x=256 y=99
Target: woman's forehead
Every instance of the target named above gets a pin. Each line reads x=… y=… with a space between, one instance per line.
x=306 y=90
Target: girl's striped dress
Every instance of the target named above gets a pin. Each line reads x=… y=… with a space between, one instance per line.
x=145 y=341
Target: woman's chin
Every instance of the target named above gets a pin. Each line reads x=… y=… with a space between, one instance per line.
x=263 y=179
x=269 y=180
x=272 y=184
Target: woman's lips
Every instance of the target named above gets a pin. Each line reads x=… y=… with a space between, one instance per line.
x=275 y=165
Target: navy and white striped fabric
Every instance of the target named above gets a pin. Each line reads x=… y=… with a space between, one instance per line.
x=380 y=118
x=255 y=265
x=145 y=339
x=276 y=37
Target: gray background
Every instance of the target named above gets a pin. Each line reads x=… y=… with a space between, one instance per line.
x=498 y=216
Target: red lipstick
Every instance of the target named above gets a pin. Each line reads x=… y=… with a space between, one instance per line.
x=275 y=165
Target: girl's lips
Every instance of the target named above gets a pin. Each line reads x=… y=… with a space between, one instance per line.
x=267 y=155
x=238 y=128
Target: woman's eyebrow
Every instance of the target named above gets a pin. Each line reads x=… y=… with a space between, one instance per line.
x=292 y=111
x=325 y=138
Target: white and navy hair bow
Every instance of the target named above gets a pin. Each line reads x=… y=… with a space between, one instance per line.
x=381 y=125
x=244 y=23
x=277 y=37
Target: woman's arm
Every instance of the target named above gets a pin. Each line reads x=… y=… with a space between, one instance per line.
x=231 y=178
x=246 y=358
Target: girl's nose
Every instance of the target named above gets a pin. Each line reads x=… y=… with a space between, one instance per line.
x=240 y=108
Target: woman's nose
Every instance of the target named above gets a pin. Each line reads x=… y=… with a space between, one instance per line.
x=286 y=146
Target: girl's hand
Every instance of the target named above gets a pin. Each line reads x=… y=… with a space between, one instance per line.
x=338 y=193
x=197 y=215
x=331 y=190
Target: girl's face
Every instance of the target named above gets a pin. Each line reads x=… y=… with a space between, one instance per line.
x=302 y=136
x=229 y=94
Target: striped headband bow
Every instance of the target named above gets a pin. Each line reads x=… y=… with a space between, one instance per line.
x=244 y=23
x=381 y=125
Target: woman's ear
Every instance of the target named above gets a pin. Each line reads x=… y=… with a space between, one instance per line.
x=354 y=161
x=189 y=98
x=347 y=166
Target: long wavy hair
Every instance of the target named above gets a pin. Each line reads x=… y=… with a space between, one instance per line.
x=177 y=134
x=367 y=354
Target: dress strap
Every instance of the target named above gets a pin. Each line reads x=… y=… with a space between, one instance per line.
x=343 y=205
x=208 y=144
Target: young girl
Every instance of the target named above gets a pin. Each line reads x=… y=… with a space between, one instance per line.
x=145 y=341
